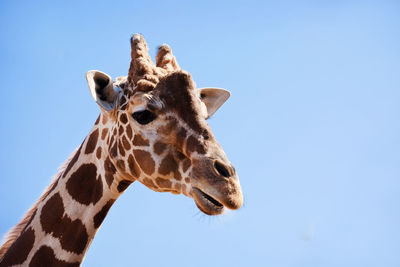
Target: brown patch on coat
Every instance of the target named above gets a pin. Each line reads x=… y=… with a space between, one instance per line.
x=20 y=249
x=185 y=164
x=135 y=170
x=177 y=175
x=92 y=141
x=122 y=100
x=149 y=183
x=183 y=189
x=180 y=138
x=114 y=150
x=129 y=132
x=73 y=161
x=138 y=140
x=72 y=234
x=123 y=185
x=159 y=148
x=110 y=170
x=125 y=142
x=75 y=237
x=121 y=149
x=121 y=165
x=145 y=161
x=104 y=133
x=99 y=217
x=98 y=152
x=193 y=144
x=177 y=187
x=83 y=185
x=121 y=130
x=164 y=183
x=123 y=118
x=97 y=121
x=180 y=156
x=168 y=165
x=45 y=257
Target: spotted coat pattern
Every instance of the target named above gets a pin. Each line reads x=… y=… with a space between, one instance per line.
x=172 y=154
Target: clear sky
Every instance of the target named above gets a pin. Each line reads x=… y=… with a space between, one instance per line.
x=312 y=125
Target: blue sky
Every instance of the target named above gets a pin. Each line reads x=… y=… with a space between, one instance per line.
x=312 y=125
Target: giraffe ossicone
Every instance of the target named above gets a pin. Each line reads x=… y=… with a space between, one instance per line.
x=152 y=128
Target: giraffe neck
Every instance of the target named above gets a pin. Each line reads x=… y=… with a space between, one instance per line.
x=66 y=218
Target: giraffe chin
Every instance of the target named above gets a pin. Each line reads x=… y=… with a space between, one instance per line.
x=206 y=203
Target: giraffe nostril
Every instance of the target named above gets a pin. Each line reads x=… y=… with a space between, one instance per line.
x=222 y=169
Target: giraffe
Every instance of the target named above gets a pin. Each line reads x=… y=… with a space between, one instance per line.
x=152 y=128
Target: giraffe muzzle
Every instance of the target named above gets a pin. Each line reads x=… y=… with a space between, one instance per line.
x=207 y=203
x=215 y=185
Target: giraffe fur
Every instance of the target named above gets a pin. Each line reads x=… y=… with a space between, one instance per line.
x=152 y=129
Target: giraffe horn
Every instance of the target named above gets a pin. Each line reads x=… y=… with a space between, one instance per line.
x=142 y=72
x=166 y=60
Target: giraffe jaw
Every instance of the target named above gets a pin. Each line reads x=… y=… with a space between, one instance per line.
x=207 y=203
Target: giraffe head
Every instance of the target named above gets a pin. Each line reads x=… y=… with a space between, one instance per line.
x=155 y=130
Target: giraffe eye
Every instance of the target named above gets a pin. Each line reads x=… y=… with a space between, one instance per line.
x=144 y=117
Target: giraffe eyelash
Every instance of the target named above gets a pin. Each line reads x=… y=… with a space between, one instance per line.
x=155 y=102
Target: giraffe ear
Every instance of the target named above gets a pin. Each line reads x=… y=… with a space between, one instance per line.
x=102 y=89
x=213 y=98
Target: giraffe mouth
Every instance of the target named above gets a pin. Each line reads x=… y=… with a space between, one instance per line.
x=207 y=203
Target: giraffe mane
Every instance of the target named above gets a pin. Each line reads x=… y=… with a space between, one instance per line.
x=16 y=231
